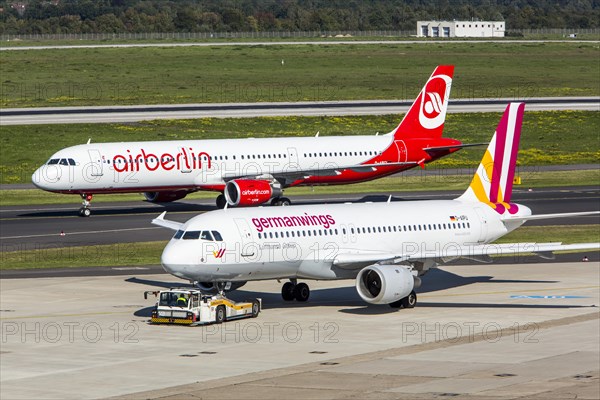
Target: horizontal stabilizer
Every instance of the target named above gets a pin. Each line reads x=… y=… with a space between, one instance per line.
x=165 y=223
x=452 y=147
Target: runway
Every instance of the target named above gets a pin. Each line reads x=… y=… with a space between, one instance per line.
x=491 y=331
x=111 y=114
x=38 y=227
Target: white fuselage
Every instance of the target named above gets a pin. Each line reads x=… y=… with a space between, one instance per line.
x=204 y=164
x=303 y=241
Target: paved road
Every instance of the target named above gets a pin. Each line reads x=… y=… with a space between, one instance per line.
x=106 y=114
x=33 y=227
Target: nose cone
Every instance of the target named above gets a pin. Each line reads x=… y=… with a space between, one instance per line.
x=46 y=177
x=173 y=259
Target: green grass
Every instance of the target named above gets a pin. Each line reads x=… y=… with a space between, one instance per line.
x=402 y=183
x=120 y=254
x=550 y=137
x=109 y=76
x=148 y=253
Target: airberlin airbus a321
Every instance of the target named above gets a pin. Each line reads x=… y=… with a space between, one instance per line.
x=253 y=171
x=385 y=247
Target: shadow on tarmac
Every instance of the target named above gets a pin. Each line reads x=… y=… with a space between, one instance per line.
x=435 y=280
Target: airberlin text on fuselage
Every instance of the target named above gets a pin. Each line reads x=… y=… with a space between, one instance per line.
x=185 y=159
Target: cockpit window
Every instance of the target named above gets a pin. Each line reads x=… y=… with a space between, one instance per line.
x=71 y=161
x=217 y=236
x=53 y=161
x=63 y=161
x=206 y=236
x=189 y=235
x=178 y=234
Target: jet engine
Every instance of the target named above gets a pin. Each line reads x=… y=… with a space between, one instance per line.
x=384 y=284
x=250 y=192
x=165 y=197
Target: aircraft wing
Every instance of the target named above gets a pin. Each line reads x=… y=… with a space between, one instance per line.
x=509 y=218
x=351 y=259
x=294 y=174
x=165 y=223
x=499 y=249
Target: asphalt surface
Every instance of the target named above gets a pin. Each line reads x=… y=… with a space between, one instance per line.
x=111 y=114
x=494 y=332
x=39 y=227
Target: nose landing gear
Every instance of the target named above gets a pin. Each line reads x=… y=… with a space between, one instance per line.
x=292 y=290
x=86 y=200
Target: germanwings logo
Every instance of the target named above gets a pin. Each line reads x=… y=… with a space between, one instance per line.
x=492 y=184
x=219 y=253
x=434 y=101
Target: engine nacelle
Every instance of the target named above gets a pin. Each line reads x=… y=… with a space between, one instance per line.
x=165 y=197
x=211 y=287
x=250 y=192
x=384 y=284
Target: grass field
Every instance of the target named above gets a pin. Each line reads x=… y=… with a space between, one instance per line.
x=551 y=137
x=109 y=76
x=148 y=253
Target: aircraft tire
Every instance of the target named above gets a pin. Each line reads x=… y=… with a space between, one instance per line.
x=410 y=301
x=287 y=291
x=302 y=292
x=221 y=201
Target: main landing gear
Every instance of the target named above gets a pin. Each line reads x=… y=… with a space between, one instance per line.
x=409 y=301
x=292 y=290
x=221 y=201
x=281 y=201
x=86 y=200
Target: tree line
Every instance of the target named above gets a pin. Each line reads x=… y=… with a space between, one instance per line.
x=141 y=16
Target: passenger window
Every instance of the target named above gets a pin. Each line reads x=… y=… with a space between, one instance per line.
x=217 y=236
x=178 y=234
x=191 y=235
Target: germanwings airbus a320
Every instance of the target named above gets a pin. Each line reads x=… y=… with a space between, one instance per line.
x=253 y=171
x=385 y=247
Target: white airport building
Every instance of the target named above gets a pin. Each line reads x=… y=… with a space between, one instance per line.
x=460 y=28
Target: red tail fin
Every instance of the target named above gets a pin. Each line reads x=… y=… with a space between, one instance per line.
x=427 y=115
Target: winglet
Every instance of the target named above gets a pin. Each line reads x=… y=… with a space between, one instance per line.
x=165 y=223
x=493 y=181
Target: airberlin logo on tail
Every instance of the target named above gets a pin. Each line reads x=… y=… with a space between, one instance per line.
x=219 y=253
x=434 y=101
